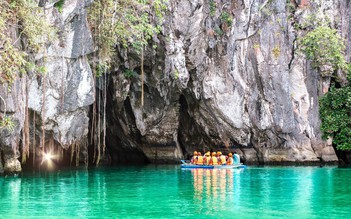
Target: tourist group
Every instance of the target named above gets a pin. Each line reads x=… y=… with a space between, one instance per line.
x=215 y=158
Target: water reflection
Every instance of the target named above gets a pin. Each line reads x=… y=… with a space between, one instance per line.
x=215 y=189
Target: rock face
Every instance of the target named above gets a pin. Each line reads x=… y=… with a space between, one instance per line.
x=228 y=77
x=59 y=99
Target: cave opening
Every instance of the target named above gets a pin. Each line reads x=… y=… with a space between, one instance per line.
x=191 y=136
x=123 y=138
x=183 y=118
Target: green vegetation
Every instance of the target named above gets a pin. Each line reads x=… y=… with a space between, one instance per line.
x=324 y=46
x=226 y=18
x=59 y=5
x=335 y=109
x=8 y=123
x=276 y=52
x=101 y=69
x=176 y=74
x=129 y=23
x=125 y=22
x=26 y=19
x=129 y=73
x=218 y=31
x=212 y=7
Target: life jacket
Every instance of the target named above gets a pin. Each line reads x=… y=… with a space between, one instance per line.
x=207 y=160
x=230 y=161
x=200 y=160
x=219 y=162
x=193 y=160
x=213 y=161
x=236 y=159
x=222 y=159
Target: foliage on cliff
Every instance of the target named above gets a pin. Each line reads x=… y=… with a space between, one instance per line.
x=324 y=46
x=130 y=23
x=23 y=33
x=335 y=112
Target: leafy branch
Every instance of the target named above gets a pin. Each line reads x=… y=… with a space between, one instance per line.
x=324 y=46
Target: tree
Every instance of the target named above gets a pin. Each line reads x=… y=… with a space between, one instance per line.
x=335 y=113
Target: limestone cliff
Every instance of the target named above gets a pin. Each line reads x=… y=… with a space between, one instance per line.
x=226 y=75
x=55 y=104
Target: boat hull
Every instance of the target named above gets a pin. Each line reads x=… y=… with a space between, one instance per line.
x=193 y=166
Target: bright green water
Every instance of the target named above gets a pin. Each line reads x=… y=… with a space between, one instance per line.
x=169 y=192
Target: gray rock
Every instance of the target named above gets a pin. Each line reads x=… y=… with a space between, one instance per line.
x=247 y=88
x=208 y=85
x=67 y=88
x=12 y=166
x=75 y=36
x=1 y=167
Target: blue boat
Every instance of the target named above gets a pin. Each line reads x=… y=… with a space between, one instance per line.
x=194 y=166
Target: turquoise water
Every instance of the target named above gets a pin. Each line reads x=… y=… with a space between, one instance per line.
x=169 y=192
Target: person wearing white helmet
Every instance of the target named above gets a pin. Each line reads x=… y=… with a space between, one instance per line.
x=236 y=158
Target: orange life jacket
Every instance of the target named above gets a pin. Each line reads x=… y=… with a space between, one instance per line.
x=230 y=161
x=193 y=160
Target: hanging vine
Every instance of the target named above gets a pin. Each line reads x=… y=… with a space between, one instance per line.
x=24 y=31
x=131 y=24
x=25 y=132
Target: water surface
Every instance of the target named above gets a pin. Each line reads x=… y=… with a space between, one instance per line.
x=169 y=192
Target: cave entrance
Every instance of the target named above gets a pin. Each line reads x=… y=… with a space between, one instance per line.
x=122 y=135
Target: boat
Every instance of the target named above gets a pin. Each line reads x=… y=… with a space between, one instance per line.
x=194 y=166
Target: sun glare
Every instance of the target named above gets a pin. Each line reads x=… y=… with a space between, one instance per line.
x=48 y=159
x=47 y=156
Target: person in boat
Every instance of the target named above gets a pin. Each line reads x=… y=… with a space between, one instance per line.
x=221 y=158
x=236 y=158
x=199 y=159
x=230 y=159
x=218 y=154
x=207 y=158
x=213 y=160
x=193 y=159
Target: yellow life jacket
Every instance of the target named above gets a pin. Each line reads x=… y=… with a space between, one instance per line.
x=207 y=161
x=223 y=160
x=200 y=160
x=214 y=161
